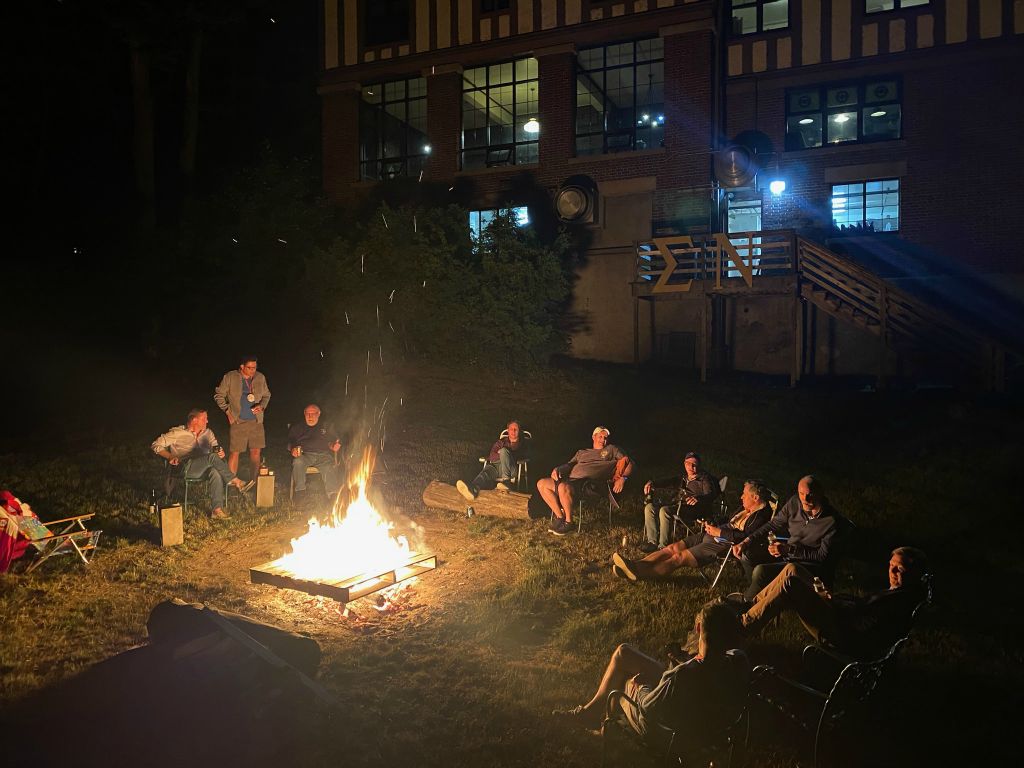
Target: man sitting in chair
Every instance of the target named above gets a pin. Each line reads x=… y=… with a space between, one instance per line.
x=863 y=627
x=703 y=547
x=601 y=463
x=695 y=488
x=194 y=443
x=501 y=464
x=698 y=698
x=804 y=531
x=313 y=444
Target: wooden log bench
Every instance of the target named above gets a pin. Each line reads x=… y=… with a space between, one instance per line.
x=507 y=504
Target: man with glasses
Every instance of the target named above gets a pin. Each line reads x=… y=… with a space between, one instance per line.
x=243 y=395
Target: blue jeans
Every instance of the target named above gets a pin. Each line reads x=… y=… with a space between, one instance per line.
x=491 y=473
x=219 y=474
x=324 y=463
x=658 y=528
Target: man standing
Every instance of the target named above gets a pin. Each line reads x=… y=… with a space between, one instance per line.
x=695 y=488
x=803 y=531
x=195 y=444
x=313 y=444
x=243 y=395
x=863 y=627
x=601 y=463
x=501 y=463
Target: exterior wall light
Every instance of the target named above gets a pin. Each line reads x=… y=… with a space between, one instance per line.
x=777 y=187
x=532 y=125
x=426 y=149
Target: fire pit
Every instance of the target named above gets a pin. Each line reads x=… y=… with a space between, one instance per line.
x=354 y=553
x=349 y=589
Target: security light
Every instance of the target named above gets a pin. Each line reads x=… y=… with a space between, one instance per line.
x=777 y=187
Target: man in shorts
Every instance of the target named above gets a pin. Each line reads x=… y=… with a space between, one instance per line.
x=603 y=462
x=243 y=395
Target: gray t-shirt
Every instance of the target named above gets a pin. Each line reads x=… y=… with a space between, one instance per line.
x=592 y=464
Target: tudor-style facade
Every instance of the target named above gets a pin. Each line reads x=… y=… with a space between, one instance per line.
x=884 y=117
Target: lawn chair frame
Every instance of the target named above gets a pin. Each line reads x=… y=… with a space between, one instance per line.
x=73 y=538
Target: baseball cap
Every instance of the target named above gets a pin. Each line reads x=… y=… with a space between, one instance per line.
x=692 y=455
x=607 y=432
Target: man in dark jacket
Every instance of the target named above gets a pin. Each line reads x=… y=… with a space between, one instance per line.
x=695 y=488
x=804 y=531
x=703 y=547
x=863 y=627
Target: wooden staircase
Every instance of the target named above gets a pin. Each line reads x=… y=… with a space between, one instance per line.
x=902 y=322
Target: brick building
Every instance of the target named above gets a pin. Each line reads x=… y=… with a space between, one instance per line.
x=820 y=119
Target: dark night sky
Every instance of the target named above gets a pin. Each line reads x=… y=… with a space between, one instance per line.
x=71 y=168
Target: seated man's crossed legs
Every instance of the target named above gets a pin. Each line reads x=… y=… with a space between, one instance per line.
x=792 y=589
x=686 y=553
x=219 y=476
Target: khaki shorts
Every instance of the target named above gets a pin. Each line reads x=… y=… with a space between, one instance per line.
x=245 y=435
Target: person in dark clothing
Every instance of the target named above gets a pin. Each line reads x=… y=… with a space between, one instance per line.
x=805 y=531
x=695 y=488
x=863 y=627
x=698 y=698
x=703 y=547
x=501 y=463
x=313 y=444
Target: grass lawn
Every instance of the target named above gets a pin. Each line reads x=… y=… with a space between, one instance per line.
x=515 y=622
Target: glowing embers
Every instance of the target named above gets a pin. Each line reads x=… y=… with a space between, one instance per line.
x=353 y=554
x=343 y=590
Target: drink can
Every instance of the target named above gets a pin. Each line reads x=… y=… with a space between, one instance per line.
x=470 y=511
x=298 y=449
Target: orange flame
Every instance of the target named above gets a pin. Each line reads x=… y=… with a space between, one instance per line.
x=355 y=540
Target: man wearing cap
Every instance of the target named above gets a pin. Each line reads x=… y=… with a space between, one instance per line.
x=695 y=488
x=603 y=462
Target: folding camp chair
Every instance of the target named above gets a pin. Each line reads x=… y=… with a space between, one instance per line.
x=179 y=472
x=310 y=471
x=72 y=538
x=677 y=516
x=773 y=504
x=522 y=477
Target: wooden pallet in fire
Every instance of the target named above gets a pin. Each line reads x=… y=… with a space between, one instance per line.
x=345 y=590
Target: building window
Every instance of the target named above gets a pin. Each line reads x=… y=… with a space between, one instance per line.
x=490 y=6
x=752 y=16
x=840 y=114
x=385 y=21
x=877 y=6
x=620 y=97
x=479 y=220
x=393 y=129
x=872 y=206
x=499 y=115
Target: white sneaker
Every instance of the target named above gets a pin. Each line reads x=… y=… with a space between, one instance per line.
x=503 y=486
x=467 y=493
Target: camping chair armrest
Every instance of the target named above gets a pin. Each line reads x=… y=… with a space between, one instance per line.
x=70 y=519
x=764 y=671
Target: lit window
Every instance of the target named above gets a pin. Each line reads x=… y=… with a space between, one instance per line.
x=500 y=123
x=841 y=114
x=393 y=129
x=869 y=206
x=480 y=220
x=752 y=16
x=877 y=6
x=620 y=97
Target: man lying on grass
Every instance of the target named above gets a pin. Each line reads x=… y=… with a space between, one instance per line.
x=699 y=698
x=705 y=547
x=862 y=627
